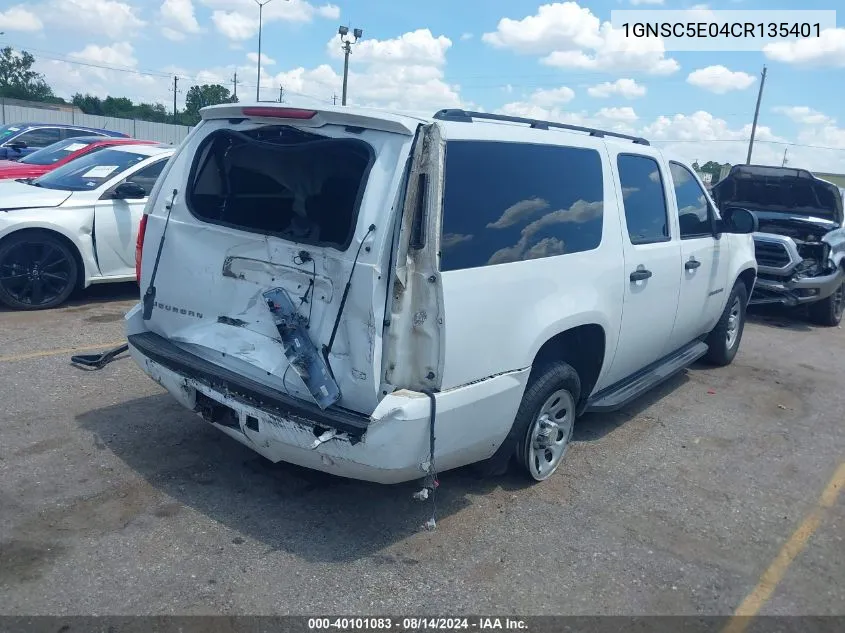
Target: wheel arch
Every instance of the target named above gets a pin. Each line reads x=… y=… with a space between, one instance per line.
x=68 y=241
x=748 y=277
x=583 y=347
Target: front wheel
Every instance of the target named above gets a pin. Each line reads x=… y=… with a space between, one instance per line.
x=546 y=418
x=828 y=311
x=723 y=340
x=37 y=271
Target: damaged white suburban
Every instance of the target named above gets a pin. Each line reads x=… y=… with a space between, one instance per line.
x=375 y=294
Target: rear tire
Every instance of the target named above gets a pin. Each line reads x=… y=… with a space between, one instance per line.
x=38 y=271
x=546 y=418
x=723 y=341
x=828 y=311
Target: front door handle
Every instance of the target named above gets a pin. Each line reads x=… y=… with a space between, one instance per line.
x=639 y=275
x=692 y=264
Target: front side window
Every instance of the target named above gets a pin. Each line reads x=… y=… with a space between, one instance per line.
x=40 y=137
x=508 y=202
x=54 y=153
x=693 y=208
x=72 y=133
x=643 y=198
x=280 y=180
x=147 y=176
x=88 y=172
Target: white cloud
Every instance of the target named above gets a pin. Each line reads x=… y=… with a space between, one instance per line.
x=627 y=88
x=804 y=115
x=550 y=98
x=719 y=79
x=624 y=114
x=329 y=11
x=178 y=19
x=466 y=36
x=639 y=2
x=19 y=18
x=265 y=60
x=120 y=54
x=570 y=36
x=116 y=19
x=826 y=50
x=238 y=19
x=235 y=26
x=414 y=47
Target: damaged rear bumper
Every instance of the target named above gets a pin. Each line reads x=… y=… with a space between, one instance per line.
x=793 y=292
x=389 y=446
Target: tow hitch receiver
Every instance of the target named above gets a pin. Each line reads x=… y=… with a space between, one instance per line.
x=301 y=353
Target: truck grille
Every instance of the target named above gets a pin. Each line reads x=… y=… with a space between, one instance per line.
x=771 y=254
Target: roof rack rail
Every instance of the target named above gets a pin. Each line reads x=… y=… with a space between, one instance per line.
x=466 y=116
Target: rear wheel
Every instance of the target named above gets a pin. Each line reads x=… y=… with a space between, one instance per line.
x=723 y=341
x=37 y=271
x=546 y=419
x=829 y=311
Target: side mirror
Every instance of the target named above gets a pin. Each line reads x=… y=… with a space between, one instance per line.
x=16 y=145
x=739 y=221
x=129 y=191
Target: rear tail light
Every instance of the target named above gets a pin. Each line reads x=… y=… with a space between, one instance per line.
x=279 y=113
x=139 y=246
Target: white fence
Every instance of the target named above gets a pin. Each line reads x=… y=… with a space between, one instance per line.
x=146 y=130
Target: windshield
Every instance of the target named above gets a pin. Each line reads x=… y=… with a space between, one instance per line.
x=55 y=152
x=90 y=171
x=8 y=130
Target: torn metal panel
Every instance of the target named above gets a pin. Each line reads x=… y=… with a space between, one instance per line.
x=294 y=279
x=300 y=351
x=414 y=343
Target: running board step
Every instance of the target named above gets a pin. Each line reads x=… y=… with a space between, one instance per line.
x=617 y=396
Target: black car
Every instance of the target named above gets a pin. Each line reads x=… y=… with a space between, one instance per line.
x=800 y=245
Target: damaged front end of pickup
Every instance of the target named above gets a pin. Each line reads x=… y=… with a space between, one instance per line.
x=800 y=243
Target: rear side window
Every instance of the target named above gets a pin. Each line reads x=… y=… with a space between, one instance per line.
x=509 y=202
x=278 y=180
x=644 y=199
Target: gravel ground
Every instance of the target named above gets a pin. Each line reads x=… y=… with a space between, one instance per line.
x=117 y=501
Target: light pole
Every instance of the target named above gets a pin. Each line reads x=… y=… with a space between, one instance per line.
x=357 y=34
x=260 y=4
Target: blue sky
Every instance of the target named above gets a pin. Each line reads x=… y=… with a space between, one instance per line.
x=521 y=56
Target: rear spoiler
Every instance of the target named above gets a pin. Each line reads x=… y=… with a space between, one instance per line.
x=311 y=117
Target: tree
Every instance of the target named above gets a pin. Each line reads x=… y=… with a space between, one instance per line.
x=19 y=81
x=712 y=167
x=201 y=96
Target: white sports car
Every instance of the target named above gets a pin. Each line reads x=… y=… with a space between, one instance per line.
x=74 y=226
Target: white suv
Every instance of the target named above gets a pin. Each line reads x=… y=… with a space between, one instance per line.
x=373 y=294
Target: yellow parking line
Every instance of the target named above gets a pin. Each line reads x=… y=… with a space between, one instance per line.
x=57 y=352
x=754 y=602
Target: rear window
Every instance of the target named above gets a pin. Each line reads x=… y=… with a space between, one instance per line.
x=508 y=202
x=282 y=181
x=54 y=153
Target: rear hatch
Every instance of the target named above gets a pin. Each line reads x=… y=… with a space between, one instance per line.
x=273 y=213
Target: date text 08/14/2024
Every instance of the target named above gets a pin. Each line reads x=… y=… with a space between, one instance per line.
x=416 y=624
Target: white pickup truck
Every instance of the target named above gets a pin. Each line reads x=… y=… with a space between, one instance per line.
x=380 y=296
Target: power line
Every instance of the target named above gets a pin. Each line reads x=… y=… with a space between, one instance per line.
x=745 y=140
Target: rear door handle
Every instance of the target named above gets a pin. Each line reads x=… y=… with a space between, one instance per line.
x=692 y=264
x=639 y=275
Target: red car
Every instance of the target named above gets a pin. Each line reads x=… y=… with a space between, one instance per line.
x=57 y=154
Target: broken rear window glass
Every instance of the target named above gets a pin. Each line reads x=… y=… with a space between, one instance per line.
x=278 y=180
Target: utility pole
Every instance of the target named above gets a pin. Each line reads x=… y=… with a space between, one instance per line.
x=235 y=84
x=357 y=34
x=260 y=4
x=281 y=93
x=175 y=92
x=334 y=99
x=756 y=114
x=783 y=163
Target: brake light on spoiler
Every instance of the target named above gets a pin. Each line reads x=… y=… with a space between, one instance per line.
x=279 y=113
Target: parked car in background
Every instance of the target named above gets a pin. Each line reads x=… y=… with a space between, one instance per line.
x=20 y=139
x=57 y=154
x=76 y=225
x=339 y=287
x=800 y=245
